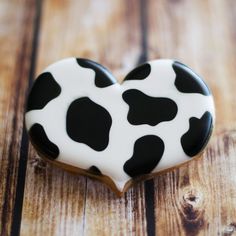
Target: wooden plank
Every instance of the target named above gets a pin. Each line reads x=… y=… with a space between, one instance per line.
x=199 y=198
x=74 y=206
x=105 y=214
x=91 y=30
x=202 y=35
x=16 y=34
x=188 y=200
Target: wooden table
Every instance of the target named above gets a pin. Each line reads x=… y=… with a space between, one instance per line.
x=198 y=198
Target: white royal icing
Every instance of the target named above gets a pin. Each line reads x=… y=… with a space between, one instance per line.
x=76 y=81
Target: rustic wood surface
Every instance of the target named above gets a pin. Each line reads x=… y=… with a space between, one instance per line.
x=198 y=198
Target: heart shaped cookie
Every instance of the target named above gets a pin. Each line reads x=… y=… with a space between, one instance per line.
x=80 y=118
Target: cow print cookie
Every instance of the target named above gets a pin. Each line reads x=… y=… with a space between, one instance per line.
x=80 y=118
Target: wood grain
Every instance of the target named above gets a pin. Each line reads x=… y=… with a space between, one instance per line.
x=198 y=198
x=16 y=43
x=202 y=34
x=91 y=30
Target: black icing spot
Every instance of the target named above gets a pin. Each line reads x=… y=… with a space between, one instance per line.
x=94 y=170
x=187 y=81
x=41 y=142
x=45 y=89
x=89 y=123
x=148 y=151
x=139 y=73
x=103 y=77
x=148 y=110
x=196 y=138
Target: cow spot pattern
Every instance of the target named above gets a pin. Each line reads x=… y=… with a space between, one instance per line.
x=187 y=81
x=144 y=109
x=103 y=77
x=89 y=123
x=95 y=171
x=42 y=143
x=139 y=73
x=194 y=140
x=160 y=116
x=44 y=90
x=148 y=151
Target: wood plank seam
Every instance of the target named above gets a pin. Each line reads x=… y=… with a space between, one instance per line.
x=17 y=210
x=84 y=210
x=149 y=184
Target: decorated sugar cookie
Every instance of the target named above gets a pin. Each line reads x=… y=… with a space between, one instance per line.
x=81 y=119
